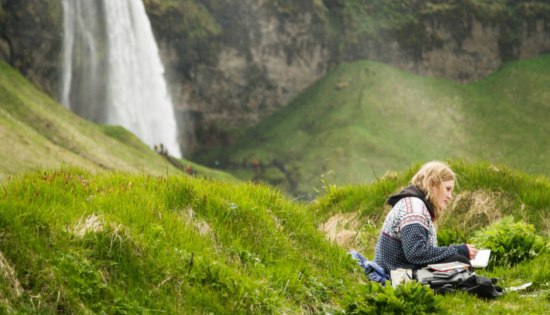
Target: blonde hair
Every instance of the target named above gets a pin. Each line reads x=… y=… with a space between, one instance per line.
x=433 y=174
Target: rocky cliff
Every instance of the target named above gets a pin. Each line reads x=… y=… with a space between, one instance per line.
x=264 y=53
x=231 y=63
x=252 y=63
x=31 y=40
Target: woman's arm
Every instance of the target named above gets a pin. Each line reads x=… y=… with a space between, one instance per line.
x=418 y=251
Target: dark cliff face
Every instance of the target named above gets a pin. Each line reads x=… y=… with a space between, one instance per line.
x=260 y=54
x=31 y=40
x=231 y=63
x=251 y=63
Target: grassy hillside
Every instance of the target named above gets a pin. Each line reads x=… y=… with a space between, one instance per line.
x=36 y=131
x=484 y=194
x=369 y=111
x=72 y=242
x=135 y=244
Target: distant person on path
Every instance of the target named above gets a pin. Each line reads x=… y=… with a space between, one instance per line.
x=408 y=238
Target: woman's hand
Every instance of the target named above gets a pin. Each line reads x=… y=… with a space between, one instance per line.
x=473 y=251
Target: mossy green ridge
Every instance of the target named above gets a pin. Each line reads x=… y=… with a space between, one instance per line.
x=35 y=131
x=351 y=23
x=367 y=111
x=74 y=242
x=120 y=243
x=181 y=18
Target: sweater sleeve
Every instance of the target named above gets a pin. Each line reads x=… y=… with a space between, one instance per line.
x=417 y=251
x=463 y=250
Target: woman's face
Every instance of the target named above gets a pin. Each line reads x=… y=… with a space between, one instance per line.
x=443 y=194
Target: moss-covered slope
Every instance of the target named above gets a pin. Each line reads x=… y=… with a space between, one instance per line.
x=369 y=111
x=36 y=131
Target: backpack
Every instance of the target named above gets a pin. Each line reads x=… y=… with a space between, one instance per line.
x=465 y=281
x=481 y=286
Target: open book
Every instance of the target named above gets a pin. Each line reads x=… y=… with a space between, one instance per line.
x=448 y=266
x=481 y=261
x=482 y=258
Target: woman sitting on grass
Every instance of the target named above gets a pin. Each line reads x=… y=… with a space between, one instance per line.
x=408 y=239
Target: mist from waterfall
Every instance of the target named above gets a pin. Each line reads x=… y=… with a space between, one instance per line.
x=112 y=72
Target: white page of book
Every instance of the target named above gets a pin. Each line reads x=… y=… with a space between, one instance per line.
x=482 y=258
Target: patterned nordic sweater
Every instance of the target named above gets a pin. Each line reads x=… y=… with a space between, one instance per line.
x=408 y=239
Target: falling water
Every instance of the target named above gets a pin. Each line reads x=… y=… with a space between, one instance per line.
x=80 y=84
x=132 y=83
x=68 y=41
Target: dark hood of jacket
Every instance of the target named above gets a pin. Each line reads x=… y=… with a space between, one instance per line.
x=411 y=191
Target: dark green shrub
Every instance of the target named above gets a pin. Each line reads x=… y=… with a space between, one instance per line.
x=510 y=242
x=410 y=298
x=448 y=237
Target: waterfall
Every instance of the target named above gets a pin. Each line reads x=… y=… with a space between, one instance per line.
x=81 y=33
x=123 y=83
x=68 y=41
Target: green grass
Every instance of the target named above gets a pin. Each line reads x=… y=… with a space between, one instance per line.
x=35 y=131
x=253 y=251
x=185 y=245
x=370 y=111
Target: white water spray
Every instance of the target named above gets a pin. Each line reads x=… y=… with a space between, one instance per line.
x=68 y=42
x=79 y=46
x=136 y=92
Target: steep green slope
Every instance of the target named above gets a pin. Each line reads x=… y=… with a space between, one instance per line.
x=507 y=115
x=37 y=131
x=367 y=110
